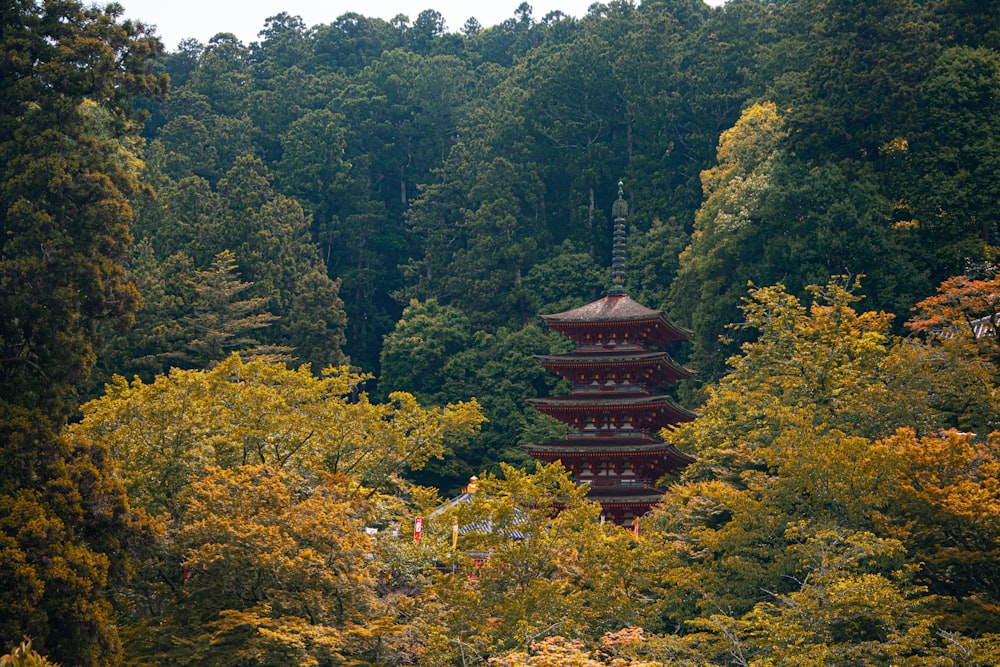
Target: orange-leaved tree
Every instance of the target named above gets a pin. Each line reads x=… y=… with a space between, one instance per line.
x=261 y=480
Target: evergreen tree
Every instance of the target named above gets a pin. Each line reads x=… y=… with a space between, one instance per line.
x=222 y=321
x=66 y=136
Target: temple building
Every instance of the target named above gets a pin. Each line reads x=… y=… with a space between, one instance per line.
x=615 y=408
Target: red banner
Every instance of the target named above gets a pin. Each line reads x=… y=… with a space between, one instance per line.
x=418 y=527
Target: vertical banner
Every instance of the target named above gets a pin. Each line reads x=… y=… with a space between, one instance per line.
x=454 y=534
x=635 y=526
x=418 y=527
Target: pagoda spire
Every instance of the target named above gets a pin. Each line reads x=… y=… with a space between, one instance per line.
x=619 y=211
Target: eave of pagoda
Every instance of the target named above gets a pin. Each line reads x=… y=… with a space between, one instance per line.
x=616 y=320
x=610 y=447
x=594 y=414
x=649 y=369
x=637 y=504
x=660 y=457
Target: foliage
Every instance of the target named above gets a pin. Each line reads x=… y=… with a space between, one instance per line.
x=434 y=353
x=561 y=652
x=959 y=327
x=67 y=141
x=544 y=573
x=800 y=461
x=260 y=480
x=708 y=287
x=168 y=432
x=965 y=307
x=207 y=234
x=949 y=517
x=64 y=189
x=263 y=566
x=25 y=656
x=455 y=166
x=843 y=500
x=419 y=355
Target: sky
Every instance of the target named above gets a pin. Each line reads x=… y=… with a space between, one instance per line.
x=202 y=19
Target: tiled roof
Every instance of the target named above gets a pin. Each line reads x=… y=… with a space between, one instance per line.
x=610 y=359
x=611 y=307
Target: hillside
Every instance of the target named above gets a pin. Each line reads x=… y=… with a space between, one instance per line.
x=262 y=299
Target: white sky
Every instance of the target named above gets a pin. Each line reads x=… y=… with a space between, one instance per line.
x=202 y=19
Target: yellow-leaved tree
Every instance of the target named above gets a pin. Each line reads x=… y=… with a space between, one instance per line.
x=829 y=496
x=261 y=480
x=533 y=561
x=168 y=432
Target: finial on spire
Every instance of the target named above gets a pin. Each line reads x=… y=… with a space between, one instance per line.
x=619 y=211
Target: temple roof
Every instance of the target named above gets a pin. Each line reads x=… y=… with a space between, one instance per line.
x=608 y=359
x=612 y=307
x=613 y=401
x=627 y=502
x=616 y=309
x=566 y=451
x=568 y=447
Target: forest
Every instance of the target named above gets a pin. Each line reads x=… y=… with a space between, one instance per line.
x=266 y=307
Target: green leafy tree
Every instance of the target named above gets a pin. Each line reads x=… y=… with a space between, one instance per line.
x=268 y=236
x=64 y=193
x=434 y=353
x=654 y=261
x=711 y=278
x=417 y=356
x=849 y=74
x=567 y=279
x=223 y=74
x=312 y=166
x=769 y=217
x=190 y=149
x=951 y=176
x=352 y=41
x=158 y=336
x=67 y=134
x=507 y=373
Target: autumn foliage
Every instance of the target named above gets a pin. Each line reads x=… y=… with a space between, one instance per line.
x=196 y=469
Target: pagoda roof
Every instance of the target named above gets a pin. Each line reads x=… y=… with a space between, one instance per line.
x=627 y=502
x=617 y=401
x=614 y=358
x=615 y=308
x=567 y=450
x=603 y=448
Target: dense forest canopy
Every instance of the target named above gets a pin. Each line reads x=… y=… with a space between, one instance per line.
x=255 y=295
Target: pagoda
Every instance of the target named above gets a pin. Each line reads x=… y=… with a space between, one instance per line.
x=615 y=409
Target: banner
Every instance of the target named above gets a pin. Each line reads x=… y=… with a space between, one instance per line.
x=418 y=527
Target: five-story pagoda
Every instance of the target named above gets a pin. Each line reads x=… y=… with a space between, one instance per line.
x=614 y=409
